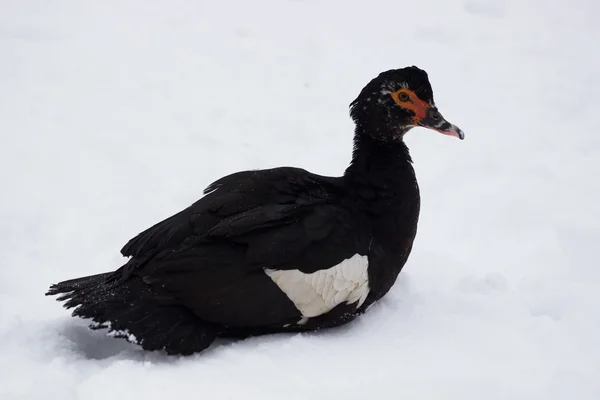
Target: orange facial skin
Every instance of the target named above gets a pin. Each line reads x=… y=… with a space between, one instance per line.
x=413 y=103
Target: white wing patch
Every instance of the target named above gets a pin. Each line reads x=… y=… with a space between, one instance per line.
x=317 y=293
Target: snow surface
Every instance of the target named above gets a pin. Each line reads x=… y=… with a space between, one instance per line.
x=116 y=114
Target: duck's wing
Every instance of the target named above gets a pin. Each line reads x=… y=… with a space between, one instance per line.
x=252 y=254
x=233 y=195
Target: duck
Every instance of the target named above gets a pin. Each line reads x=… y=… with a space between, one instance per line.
x=275 y=250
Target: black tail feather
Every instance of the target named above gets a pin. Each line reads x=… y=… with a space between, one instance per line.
x=124 y=308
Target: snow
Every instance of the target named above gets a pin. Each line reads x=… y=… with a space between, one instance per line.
x=116 y=114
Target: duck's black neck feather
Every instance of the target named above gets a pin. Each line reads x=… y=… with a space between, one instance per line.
x=378 y=163
x=385 y=191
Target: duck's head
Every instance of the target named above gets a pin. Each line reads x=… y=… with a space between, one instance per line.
x=396 y=101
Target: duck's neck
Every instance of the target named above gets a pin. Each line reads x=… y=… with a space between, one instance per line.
x=383 y=187
x=379 y=163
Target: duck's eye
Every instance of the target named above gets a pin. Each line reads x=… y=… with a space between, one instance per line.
x=403 y=96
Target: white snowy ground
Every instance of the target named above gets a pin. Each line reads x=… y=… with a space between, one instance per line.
x=116 y=114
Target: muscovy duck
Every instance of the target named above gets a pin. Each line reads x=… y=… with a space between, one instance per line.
x=275 y=250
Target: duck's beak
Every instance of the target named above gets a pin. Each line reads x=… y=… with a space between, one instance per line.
x=434 y=120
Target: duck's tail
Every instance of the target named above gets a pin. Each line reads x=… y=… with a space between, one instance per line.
x=125 y=309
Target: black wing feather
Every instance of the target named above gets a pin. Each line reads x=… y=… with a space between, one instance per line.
x=222 y=279
x=211 y=257
x=251 y=220
x=233 y=194
x=163 y=234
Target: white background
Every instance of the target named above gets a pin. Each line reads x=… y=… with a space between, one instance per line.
x=116 y=114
